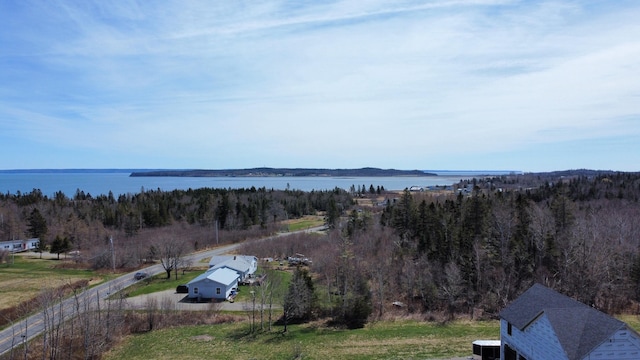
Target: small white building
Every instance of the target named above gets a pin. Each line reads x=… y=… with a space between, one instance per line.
x=213 y=284
x=19 y=245
x=544 y=324
x=486 y=349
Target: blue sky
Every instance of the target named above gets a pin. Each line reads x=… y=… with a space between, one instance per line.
x=460 y=84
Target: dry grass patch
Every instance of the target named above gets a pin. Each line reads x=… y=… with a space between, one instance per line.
x=27 y=277
x=202 y=338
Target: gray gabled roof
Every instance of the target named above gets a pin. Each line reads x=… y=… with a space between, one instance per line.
x=236 y=264
x=221 y=276
x=579 y=328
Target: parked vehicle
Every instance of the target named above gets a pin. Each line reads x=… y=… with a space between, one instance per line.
x=232 y=297
x=182 y=289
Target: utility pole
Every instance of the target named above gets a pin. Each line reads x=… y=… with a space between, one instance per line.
x=217 y=240
x=113 y=254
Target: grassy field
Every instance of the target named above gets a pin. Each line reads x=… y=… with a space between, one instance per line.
x=304 y=223
x=28 y=275
x=383 y=340
x=631 y=320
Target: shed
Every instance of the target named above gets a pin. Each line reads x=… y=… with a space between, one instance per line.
x=544 y=324
x=213 y=284
x=487 y=349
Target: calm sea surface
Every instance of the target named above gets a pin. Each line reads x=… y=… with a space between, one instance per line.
x=120 y=183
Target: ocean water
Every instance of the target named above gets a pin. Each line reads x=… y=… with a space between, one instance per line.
x=101 y=183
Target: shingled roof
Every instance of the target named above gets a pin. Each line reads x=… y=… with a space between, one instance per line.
x=579 y=328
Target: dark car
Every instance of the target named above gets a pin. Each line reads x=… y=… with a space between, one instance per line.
x=182 y=289
x=140 y=275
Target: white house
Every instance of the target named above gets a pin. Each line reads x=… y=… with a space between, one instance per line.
x=19 y=245
x=242 y=264
x=544 y=324
x=213 y=284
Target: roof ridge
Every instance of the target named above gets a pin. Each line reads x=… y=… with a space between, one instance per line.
x=578 y=327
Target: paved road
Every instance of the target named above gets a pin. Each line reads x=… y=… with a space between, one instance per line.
x=34 y=325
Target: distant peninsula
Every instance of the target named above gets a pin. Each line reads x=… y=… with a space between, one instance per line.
x=267 y=172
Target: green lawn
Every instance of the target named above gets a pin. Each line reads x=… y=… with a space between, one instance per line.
x=160 y=282
x=279 y=281
x=383 y=340
x=304 y=223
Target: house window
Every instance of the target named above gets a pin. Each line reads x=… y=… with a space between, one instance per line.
x=509 y=353
x=195 y=290
x=509 y=328
x=218 y=291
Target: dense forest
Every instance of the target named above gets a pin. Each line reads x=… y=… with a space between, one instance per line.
x=470 y=250
x=140 y=223
x=484 y=246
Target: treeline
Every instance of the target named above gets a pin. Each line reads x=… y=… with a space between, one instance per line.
x=474 y=252
x=84 y=222
x=579 y=235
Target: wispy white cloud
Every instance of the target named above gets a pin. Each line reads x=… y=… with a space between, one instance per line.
x=342 y=83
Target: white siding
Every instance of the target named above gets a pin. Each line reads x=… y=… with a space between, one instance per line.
x=208 y=283
x=623 y=345
x=19 y=245
x=537 y=341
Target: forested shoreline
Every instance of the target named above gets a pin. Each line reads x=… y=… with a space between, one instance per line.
x=265 y=172
x=467 y=251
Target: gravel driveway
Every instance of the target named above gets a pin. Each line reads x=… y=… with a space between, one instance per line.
x=169 y=298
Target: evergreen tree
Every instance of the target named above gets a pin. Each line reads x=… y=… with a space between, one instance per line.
x=37 y=224
x=222 y=210
x=403 y=217
x=635 y=276
x=60 y=245
x=422 y=228
x=41 y=247
x=563 y=211
x=332 y=214
x=300 y=298
x=358 y=305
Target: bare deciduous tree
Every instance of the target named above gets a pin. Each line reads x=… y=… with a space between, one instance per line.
x=452 y=287
x=170 y=250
